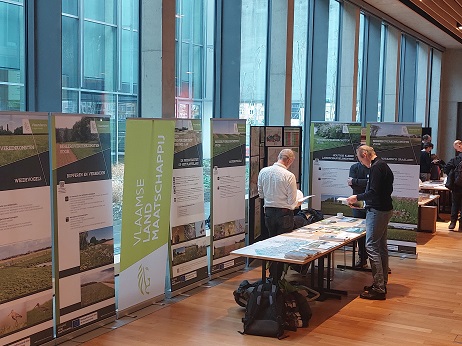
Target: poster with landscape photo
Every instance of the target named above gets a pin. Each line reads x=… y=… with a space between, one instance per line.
x=82 y=189
x=25 y=229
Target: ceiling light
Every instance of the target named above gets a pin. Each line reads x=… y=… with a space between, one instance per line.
x=459 y=26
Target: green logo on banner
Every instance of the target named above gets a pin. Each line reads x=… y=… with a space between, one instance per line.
x=143 y=280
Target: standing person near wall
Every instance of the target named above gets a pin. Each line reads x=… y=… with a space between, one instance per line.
x=359 y=174
x=425 y=162
x=277 y=186
x=379 y=208
x=425 y=139
x=456 y=190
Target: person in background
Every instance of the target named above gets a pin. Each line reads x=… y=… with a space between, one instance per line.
x=379 y=209
x=425 y=162
x=277 y=186
x=425 y=139
x=437 y=167
x=456 y=191
x=357 y=180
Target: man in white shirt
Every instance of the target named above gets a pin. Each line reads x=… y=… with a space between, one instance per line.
x=278 y=187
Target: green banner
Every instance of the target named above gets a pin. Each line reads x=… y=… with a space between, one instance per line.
x=147 y=188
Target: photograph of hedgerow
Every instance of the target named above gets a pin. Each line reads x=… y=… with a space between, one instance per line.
x=187 y=232
x=96 y=248
x=97 y=286
x=335 y=135
x=188 y=253
x=25 y=268
x=405 y=210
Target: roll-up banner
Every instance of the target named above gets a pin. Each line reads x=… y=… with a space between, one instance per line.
x=188 y=250
x=228 y=193
x=398 y=144
x=145 y=212
x=333 y=151
x=26 y=295
x=82 y=199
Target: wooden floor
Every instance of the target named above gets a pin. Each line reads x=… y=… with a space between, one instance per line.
x=423 y=306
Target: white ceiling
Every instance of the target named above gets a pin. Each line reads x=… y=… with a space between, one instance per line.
x=405 y=15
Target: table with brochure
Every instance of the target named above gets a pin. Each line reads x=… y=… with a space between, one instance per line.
x=314 y=242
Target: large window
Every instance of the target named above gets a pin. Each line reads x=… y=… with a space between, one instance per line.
x=253 y=61
x=332 y=59
x=12 y=56
x=100 y=62
x=299 y=62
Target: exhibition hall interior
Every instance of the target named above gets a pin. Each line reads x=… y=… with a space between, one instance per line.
x=133 y=139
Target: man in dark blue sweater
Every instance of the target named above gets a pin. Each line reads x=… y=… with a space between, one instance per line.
x=379 y=208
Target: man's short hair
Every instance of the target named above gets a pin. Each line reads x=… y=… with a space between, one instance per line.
x=286 y=154
x=366 y=149
x=428 y=145
x=457 y=142
x=426 y=138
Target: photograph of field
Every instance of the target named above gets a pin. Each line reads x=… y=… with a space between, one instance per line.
x=25 y=268
x=96 y=248
x=188 y=253
x=331 y=206
x=186 y=136
x=228 y=229
x=187 y=232
x=405 y=210
x=394 y=136
x=11 y=135
x=223 y=247
x=96 y=286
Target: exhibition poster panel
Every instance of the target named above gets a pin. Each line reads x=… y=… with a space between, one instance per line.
x=82 y=197
x=333 y=151
x=228 y=192
x=188 y=241
x=146 y=210
x=26 y=310
x=398 y=144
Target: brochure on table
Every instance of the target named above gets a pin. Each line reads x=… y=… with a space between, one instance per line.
x=82 y=199
x=145 y=212
x=188 y=242
x=228 y=193
x=26 y=295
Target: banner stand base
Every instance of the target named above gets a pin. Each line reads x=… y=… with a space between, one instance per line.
x=187 y=288
x=227 y=271
x=83 y=330
x=142 y=305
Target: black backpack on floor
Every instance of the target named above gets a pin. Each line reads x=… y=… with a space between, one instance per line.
x=265 y=312
x=242 y=293
x=298 y=311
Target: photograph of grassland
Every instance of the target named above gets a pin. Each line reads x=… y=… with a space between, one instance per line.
x=385 y=137
x=223 y=247
x=25 y=268
x=96 y=286
x=405 y=210
x=188 y=232
x=228 y=229
x=96 y=248
x=331 y=206
x=188 y=253
x=394 y=233
x=12 y=136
